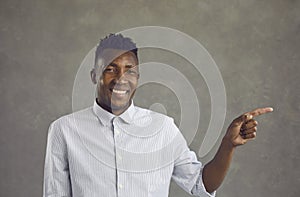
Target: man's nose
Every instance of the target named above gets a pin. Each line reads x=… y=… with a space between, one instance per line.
x=121 y=75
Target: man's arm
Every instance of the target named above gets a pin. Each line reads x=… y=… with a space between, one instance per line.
x=56 y=171
x=238 y=133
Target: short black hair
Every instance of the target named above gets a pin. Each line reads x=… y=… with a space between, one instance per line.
x=115 y=41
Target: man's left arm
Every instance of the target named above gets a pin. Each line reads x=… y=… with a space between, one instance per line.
x=241 y=130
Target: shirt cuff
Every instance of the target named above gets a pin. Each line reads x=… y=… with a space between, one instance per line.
x=200 y=190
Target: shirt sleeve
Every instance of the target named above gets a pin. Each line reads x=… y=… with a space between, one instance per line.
x=56 y=169
x=187 y=172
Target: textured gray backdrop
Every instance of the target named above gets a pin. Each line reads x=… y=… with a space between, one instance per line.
x=255 y=43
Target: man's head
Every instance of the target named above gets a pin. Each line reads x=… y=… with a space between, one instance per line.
x=115 y=72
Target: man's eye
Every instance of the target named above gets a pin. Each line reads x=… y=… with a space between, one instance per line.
x=131 y=71
x=109 y=70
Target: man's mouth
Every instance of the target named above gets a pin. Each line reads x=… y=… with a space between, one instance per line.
x=118 y=92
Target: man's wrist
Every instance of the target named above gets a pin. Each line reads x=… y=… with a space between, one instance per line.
x=227 y=143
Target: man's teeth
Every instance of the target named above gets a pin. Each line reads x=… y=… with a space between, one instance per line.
x=119 y=91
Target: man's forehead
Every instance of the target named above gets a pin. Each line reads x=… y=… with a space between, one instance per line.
x=109 y=55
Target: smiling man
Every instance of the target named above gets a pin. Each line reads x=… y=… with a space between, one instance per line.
x=115 y=148
x=116 y=75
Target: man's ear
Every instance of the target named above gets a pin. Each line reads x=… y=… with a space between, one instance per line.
x=93 y=76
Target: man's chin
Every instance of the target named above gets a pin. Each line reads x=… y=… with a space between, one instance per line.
x=119 y=106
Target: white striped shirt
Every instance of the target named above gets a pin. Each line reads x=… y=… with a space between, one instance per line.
x=93 y=153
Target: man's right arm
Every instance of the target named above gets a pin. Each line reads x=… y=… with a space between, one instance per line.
x=56 y=171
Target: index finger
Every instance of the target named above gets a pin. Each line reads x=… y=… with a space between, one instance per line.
x=260 y=111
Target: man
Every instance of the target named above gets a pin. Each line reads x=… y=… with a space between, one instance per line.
x=117 y=149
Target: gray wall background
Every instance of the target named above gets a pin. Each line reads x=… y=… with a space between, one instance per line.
x=255 y=43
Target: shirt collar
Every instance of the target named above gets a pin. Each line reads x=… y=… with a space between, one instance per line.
x=106 y=117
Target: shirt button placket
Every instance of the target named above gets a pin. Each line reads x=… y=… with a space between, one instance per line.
x=118 y=157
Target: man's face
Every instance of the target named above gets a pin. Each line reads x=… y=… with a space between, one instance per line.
x=118 y=83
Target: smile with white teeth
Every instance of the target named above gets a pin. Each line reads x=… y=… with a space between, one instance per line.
x=119 y=91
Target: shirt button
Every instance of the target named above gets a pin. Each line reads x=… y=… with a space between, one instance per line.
x=119 y=157
x=120 y=186
x=117 y=132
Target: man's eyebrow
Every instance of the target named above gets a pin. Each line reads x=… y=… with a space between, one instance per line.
x=130 y=66
x=112 y=64
x=126 y=66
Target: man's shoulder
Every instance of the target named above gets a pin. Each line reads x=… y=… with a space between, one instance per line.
x=67 y=124
x=76 y=116
x=143 y=113
x=156 y=120
x=157 y=125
